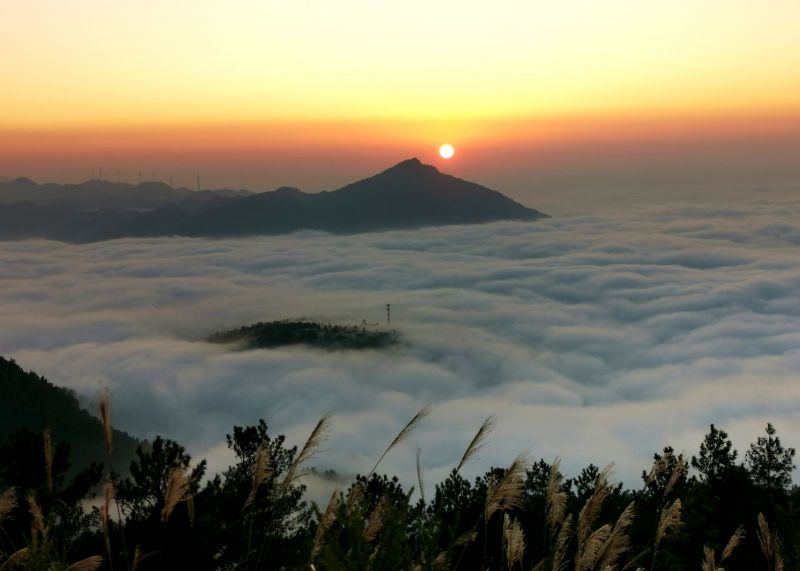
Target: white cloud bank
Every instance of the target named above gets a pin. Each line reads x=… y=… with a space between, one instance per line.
x=595 y=337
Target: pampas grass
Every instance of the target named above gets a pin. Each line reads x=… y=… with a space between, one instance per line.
x=37 y=515
x=478 y=441
x=8 y=501
x=375 y=520
x=92 y=563
x=47 y=438
x=556 y=499
x=177 y=488
x=105 y=415
x=670 y=519
x=419 y=475
x=506 y=493
x=515 y=541
x=770 y=545
x=562 y=544
x=402 y=435
x=325 y=523
x=262 y=471
x=309 y=449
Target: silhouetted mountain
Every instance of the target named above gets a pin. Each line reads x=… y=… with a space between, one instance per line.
x=30 y=401
x=99 y=194
x=408 y=195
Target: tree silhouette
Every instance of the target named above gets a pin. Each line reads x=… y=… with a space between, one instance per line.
x=716 y=457
x=770 y=464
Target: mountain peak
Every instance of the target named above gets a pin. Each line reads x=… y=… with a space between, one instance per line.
x=412 y=165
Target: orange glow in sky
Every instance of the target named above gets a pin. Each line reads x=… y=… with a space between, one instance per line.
x=240 y=88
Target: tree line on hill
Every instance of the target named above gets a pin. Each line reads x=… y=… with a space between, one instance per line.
x=165 y=513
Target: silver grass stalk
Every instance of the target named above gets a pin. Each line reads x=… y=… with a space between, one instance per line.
x=733 y=543
x=177 y=486
x=562 y=544
x=677 y=471
x=589 y=554
x=619 y=542
x=670 y=519
x=105 y=415
x=325 y=523
x=556 y=499
x=419 y=475
x=375 y=520
x=515 y=541
x=262 y=471
x=591 y=509
x=48 y=458
x=506 y=493
x=315 y=439
x=478 y=441
x=92 y=563
x=402 y=435
x=8 y=501
x=37 y=515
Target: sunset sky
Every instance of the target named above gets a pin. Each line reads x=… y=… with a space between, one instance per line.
x=261 y=93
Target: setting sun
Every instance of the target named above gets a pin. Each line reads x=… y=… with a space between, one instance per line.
x=446 y=151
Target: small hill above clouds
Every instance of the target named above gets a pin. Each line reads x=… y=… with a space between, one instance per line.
x=408 y=195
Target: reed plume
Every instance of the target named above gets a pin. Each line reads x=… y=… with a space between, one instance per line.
x=478 y=441
x=47 y=438
x=262 y=471
x=37 y=515
x=506 y=493
x=309 y=449
x=419 y=475
x=15 y=559
x=619 y=541
x=108 y=497
x=670 y=519
x=515 y=541
x=375 y=520
x=556 y=499
x=770 y=544
x=177 y=487
x=591 y=509
x=8 y=501
x=733 y=543
x=105 y=415
x=402 y=435
x=325 y=523
x=562 y=544
x=589 y=552
x=92 y=563
x=677 y=471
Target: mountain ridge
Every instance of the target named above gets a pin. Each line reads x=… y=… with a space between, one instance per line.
x=408 y=195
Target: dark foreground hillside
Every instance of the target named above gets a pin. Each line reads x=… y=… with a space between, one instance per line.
x=169 y=514
x=31 y=402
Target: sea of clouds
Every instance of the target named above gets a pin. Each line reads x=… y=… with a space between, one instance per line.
x=594 y=336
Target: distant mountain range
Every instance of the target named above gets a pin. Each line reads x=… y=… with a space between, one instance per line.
x=408 y=195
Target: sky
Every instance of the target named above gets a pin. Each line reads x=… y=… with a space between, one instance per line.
x=537 y=97
x=597 y=337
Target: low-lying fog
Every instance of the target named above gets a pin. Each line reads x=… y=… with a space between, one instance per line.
x=595 y=337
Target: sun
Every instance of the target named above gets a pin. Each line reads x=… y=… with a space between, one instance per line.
x=447 y=151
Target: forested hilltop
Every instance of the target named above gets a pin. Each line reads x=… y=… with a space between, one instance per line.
x=709 y=511
x=263 y=335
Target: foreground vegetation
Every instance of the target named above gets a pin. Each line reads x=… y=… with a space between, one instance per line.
x=263 y=335
x=164 y=515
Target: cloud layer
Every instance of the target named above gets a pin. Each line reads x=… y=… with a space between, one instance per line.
x=594 y=337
